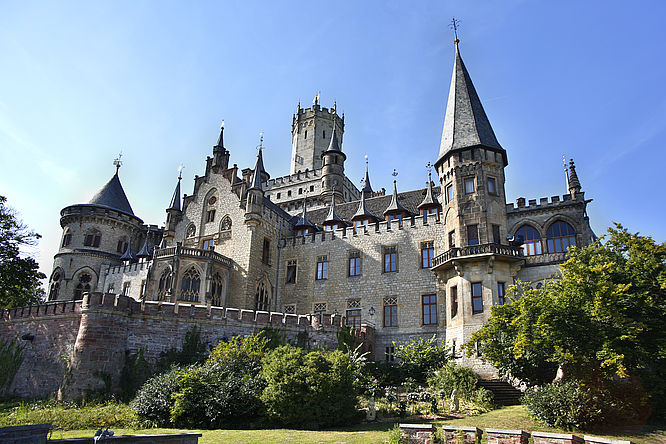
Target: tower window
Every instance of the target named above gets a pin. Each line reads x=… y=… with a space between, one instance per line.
x=427 y=252
x=477 y=298
x=322 y=268
x=449 y=193
x=452 y=239
x=560 y=236
x=453 y=292
x=289 y=193
x=266 y=252
x=306 y=134
x=278 y=195
x=92 y=238
x=492 y=186
x=300 y=191
x=122 y=245
x=471 y=152
x=323 y=134
x=472 y=234
x=67 y=238
x=469 y=185
x=311 y=187
x=460 y=156
x=83 y=286
x=291 y=271
x=500 y=293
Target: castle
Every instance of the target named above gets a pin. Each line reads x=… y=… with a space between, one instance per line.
x=410 y=263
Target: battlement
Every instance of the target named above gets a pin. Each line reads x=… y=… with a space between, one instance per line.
x=83 y=210
x=137 y=266
x=293 y=179
x=314 y=110
x=38 y=311
x=544 y=202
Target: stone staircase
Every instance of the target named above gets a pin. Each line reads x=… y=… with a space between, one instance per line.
x=504 y=393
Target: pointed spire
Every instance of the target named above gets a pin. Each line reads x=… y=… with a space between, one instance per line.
x=220 y=140
x=429 y=201
x=367 y=188
x=303 y=221
x=259 y=172
x=145 y=251
x=175 y=200
x=332 y=215
x=465 y=122
x=363 y=212
x=574 y=183
x=112 y=196
x=334 y=145
x=128 y=256
x=395 y=206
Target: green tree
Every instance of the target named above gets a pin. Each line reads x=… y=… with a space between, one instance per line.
x=419 y=356
x=19 y=276
x=603 y=319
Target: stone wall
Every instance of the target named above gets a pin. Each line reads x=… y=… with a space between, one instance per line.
x=80 y=347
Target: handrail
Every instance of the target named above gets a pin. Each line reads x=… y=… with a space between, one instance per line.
x=179 y=250
x=475 y=250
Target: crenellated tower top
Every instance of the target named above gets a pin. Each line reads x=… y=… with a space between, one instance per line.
x=311 y=132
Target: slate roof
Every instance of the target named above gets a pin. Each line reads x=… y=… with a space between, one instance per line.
x=175 y=200
x=465 y=121
x=395 y=206
x=258 y=172
x=112 y=196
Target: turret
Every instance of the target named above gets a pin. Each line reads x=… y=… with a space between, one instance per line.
x=574 y=183
x=430 y=207
x=395 y=211
x=333 y=169
x=367 y=188
x=255 y=193
x=303 y=226
x=220 y=153
x=174 y=212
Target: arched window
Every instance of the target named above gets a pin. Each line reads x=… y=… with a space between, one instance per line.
x=122 y=245
x=216 y=289
x=93 y=238
x=262 y=300
x=55 y=286
x=67 y=237
x=225 y=224
x=560 y=236
x=83 y=286
x=531 y=240
x=164 y=284
x=189 y=285
x=191 y=231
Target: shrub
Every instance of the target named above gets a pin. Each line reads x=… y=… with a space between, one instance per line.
x=134 y=374
x=454 y=376
x=242 y=354
x=153 y=401
x=11 y=357
x=69 y=416
x=420 y=356
x=193 y=350
x=213 y=395
x=388 y=374
x=395 y=435
x=309 y=389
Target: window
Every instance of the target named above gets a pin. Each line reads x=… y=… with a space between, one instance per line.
x=164 y=285
x=300 y=191
x=477 y=298
x=500 y=293
x=452 y=239
x=390 y=259
x=122 y=245
x=559 y=237
x=142 y=289
x=429 y=304
x=496 y=234
x=291 y=271
x=189 y=285
x=361 y=223
x=290 y=309
x=126 y=288
x=311 y=187
x=210 y=216
x=353 y=317
x=531 y=240
x=449 y=193
x=389 y=353
x=427 y=252
x=391 y=312
x=278 y=195
x=216 y=286
x=472 y=155
x=306 y=134
x=469 y=185
x=492 y=186
x=472 y=235
x=262 y=299
x=92 y=238
x=394 y=217
x=427 y=212
x=322 y=268
x=208 y=244
x=331 y=227
x=460 y=156
x=55 y=287
x=453 y=292
x=67 y=238
x=323 y=134
x=320 y=308
x=354 y=263
x=289 y=193
x=83 y=286
x=266 y=252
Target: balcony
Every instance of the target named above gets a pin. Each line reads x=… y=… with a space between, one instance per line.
x=510 y=252
x=196 y=253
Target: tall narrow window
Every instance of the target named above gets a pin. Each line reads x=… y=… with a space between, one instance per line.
x=390 y=259
x=477 y=298
x=452 y=239
x=164 y=285
x=354 y=263
x=492 y=186
x=496 y=234
x=454 y=301
x=389 y=353
x=291 y=271
x=210 y=216
x=427 y=252
x=67 y=237
x=472 y=235
x=449 y=193
x=500 y=293
x=126 y=288
x=122 y=245
x=322 y=268
x=391 y=312
x=262 y=299
x=189 y=285
x=354 y=313
x=266 y=252
x=429 y=306
x=55 y=287
x=469 y=185
x=216 y=290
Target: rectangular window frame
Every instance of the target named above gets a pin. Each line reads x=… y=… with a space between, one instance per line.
x=429 y=309
x=321 y=271
x=493 y=191
x=390 y=312
x=469 y=185
x=449 y=193
x=473 y=234
x=210 y=216
x=207 y=243
x=291 y=271
x=453 y=295
x=266 y=252
x=497 y=237
x=427 y=253
x=354 y=263
x=353 y=318
x=390 y=259
x=477 y=297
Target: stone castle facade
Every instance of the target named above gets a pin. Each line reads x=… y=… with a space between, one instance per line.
x=423 y=262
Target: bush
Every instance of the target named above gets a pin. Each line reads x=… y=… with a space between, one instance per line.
x=453 y=376
x=134 y=374
x=212 y=395
x=11 y=357
x=242 y=354
x=419 y=356
x=154 y=400
x=193 y=350
x=312 y=389
x=572 y=404
x=69 y=416
x=388 y=374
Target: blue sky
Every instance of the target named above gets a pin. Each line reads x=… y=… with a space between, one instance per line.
x=80 y=81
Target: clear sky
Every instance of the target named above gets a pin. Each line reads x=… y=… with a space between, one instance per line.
x=81 y=81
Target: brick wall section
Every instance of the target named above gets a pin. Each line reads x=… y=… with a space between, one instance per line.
x=80 y=346
x=417 y=433
x=27 y=434
x=54 y=327
x=469 y=435
x=555 y=438
x=597 y=440
x=501 y=436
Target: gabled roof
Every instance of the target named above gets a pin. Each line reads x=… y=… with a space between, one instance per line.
x=429 y=200
x=112 y=196
x=395 y=206
x=367 y=188
x=465 y=122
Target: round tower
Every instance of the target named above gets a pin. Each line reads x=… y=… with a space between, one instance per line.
x=333 y=170
x=311 y=131
x=94 y=235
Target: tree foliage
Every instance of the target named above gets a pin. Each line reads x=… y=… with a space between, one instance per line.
x=419 y=356
x=604 y=318
x=19 y=276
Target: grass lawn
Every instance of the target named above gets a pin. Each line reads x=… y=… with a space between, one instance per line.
x=514 y=417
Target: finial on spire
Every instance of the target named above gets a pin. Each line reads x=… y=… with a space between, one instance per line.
x=566 y=170
x=315 y=101
x=454 y=25
x=117 y=162
x=180 y=171
x=261 y=141
x=222 y=125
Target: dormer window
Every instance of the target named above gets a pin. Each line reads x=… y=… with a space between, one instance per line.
x=331 y=227
x=394 y=217
x=432 y=213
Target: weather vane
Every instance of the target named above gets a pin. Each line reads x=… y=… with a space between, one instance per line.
x=261 y=141
x=117 y=162
x=394 y=173
x=454 y=25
